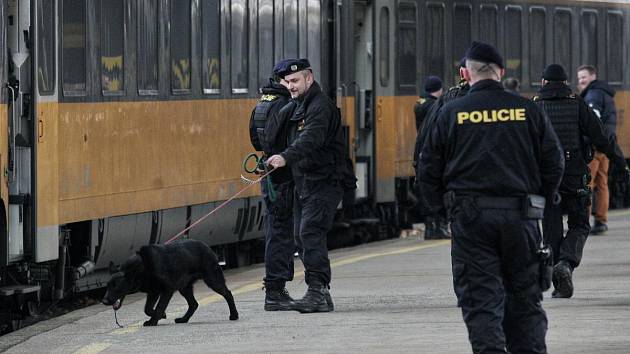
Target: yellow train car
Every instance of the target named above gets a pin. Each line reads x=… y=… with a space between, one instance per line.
x=124 y=121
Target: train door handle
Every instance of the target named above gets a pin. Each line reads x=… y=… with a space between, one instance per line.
x=40 y=130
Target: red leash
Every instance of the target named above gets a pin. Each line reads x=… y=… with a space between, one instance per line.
x=219 y=207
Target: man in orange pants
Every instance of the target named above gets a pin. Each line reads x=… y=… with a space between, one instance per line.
x=599 y=96
x=599 y=180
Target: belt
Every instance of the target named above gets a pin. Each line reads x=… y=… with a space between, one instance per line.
x=499 y=203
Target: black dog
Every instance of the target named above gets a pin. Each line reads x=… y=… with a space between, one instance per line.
x=160 y=270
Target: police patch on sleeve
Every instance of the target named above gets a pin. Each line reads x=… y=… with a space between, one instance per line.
x=268 y=98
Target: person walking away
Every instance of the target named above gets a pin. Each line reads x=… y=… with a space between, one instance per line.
x=573 y=121
x=490 y=159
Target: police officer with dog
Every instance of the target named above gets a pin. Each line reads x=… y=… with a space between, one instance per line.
x=268 y=133
x=492 y=159
x=578 y=129
x=318 y=157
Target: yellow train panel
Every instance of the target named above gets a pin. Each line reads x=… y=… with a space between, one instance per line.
x=387 y=138
x=347 y=107
x=406 y=135
x=131 y=157
x=47 y=164
x=622 y=102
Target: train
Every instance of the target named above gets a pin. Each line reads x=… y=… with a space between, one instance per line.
x=127 y=120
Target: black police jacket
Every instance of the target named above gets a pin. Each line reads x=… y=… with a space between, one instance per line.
x=451 y=94
x=268 y=124
x=317 y=149
x=421 y=109
x=490 y=143
x=599 y=96
x=588 y=125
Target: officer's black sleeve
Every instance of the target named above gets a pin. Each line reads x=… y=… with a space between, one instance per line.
x=432 y=161
x=552 y=158
x=253 y=135
x=316 y=121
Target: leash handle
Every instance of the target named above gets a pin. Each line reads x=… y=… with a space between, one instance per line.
x=261 y=166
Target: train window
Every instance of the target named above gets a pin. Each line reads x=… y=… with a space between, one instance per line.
x=588 y=53
x=147 y=47
x=239 y=45
x=537 y=48
x=513 y=41
x=46 y=47
x=211 y=38
x=314 y=39
x=562 y=40
x=488 y=24
x=265 y=40
x=615 y=50
x=112 y=46
x=462 y=26
x=73 y=47
x=384 y=46
x=434 y=37
x=290 y=29
x=180 y=46
x=407 y=29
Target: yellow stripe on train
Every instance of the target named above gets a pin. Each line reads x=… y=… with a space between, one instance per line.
x=492 y=116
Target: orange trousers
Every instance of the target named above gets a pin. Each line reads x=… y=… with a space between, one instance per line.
x=599 y=180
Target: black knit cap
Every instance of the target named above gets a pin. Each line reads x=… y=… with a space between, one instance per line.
x=485 y=53
x=432 y=84
x=555 y=72
x=290 y=66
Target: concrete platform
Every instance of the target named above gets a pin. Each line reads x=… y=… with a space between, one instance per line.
x=391 y=297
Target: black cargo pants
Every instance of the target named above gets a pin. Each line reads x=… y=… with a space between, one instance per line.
x=496 y=280
x=278 y=229
x=567 y=248
x=314 y=212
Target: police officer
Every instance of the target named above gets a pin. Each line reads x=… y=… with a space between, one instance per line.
x=318 y=159
x=487 y=157
x=436 y=225
x=268 y=124
x=572 y=120
x=432 y=91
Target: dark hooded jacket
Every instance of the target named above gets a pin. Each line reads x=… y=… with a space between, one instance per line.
x=599 y=96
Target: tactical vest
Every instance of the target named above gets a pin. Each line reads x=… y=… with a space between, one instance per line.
x=259 y=119
x=564 y=116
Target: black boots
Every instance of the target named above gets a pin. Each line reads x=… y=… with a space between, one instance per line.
x=436 y=228
x=562 y=280
x=277 y=298
x=316 y=299
x=598 y=228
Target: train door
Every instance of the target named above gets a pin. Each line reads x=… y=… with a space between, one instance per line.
x=4 y=133
x=20 y=128
x=25 y=131
x=380 y=101
x=364 y=89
